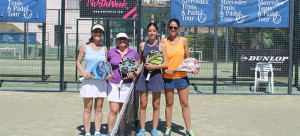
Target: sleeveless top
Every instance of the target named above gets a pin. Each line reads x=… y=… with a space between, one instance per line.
x=175 y=55
x=92 y=57
x=156 y=82
x=146 y=50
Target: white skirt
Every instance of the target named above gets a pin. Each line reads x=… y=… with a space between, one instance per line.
x=93 y=88
x=113 y=92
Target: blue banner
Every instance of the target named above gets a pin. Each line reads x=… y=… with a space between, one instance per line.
x=16 y=38
x=232 y=13
x=253 y=13
x=23 y=11
x=193 y=12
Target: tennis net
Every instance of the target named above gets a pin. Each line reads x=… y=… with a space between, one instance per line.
x=127 y=121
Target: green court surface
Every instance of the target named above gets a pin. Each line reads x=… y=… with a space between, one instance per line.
x=60 y=114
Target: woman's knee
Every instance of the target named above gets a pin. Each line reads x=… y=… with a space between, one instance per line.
x=143 y=105
x=88 y=109
x=98 y=109
x=169 y=103
x=184 y=104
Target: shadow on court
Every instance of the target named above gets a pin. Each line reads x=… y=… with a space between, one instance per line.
x=103 y=129
x=162 y=127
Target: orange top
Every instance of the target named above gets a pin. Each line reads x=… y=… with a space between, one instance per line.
x=175 y=55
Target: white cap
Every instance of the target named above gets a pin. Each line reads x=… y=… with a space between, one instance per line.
x=119 y=35
x=98 y=26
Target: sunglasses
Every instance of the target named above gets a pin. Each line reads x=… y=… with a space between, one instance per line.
x=122 y=38
x=171 y=28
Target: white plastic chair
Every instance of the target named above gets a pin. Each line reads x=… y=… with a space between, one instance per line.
x=264 y=68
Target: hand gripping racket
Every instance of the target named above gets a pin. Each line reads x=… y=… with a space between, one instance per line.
x=100 y=71
x=155 y=58
x=188 y=65
x=127 y=64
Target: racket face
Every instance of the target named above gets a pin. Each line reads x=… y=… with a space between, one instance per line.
x=128 y=64
x=154 y=57
x=189 y=65
x=102 y=70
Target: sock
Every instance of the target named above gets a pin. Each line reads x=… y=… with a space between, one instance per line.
x=87 y=134
x=97 y=132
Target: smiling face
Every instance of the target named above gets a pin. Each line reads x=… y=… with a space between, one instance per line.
x=152 y=32
x=173 y=28
x=97 y=34
x=122 y=42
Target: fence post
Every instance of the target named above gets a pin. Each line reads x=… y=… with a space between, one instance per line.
x=43 y=51
x=215 y=48
x=139 y=24
x=291 y=47
x=62 y=86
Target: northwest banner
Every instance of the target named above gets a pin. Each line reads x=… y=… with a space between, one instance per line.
x=23 y=11
x=108 y=8
x=248 y=59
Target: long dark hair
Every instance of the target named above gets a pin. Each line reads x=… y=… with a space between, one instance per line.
x=91 y=39
x=174 y=20
x=152 y=24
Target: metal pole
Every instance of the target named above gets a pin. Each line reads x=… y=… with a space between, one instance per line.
x=291 y=47
x=226 y=47
x=59 y=20
x=215 y=48
x=134 y=33
x=62 y=46
x=44 y=52
x=25 y=40
x=296 y=43
x=195 y=35
x=139 y=23
x=107 y=34
x=234 y=55
x=76 y=49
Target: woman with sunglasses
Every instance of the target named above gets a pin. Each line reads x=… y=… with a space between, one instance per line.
x=92 y=52
x=155 y=83
x=114 y=57
x=177 y=50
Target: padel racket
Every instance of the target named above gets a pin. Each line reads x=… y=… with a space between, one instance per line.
x=100 y=71
x=188 y=65
x=127 y=64
x=154 y=57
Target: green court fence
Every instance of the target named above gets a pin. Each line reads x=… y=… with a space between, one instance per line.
x=49 y=64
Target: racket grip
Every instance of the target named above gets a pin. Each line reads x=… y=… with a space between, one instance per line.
x=81 y=79
x=148 y=76
x=120 y=84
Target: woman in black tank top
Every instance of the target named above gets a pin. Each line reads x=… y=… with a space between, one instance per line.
x=155 y=83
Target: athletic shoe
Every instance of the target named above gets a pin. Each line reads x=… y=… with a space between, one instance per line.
x=190 y=133
x=88 y=134
x=142 y=132
x=98 y=134
x=108 y=135
x=168 y=132
x=154 y=132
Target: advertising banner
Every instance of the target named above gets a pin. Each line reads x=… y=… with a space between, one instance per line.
x=253 y=13
x=193 y=12
x=248 y=59
x=16 y=38
x=232 y=13
x=23 y=11
x=108 y=8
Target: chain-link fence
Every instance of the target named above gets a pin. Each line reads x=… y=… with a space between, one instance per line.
x=38 y=63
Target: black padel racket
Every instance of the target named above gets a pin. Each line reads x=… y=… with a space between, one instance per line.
x=100 y=71
x=188 y=65
x=127 y=64
x=155 y=58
